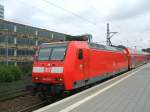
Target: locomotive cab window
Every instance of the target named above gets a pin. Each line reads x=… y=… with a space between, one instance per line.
x=44 y=54
x=80 y=54
x=58 y=53
x=52 y=52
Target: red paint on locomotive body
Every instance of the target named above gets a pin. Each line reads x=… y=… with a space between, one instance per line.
x=82 y=64
x=104 y=61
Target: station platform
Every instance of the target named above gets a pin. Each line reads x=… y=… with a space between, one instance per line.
x=129 y=92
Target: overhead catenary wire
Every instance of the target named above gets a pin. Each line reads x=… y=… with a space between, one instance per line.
x=62 y=9
x=68 y=11
x=73 y=13
x=40 y=9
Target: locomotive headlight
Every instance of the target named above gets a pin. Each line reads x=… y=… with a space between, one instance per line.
x=38 y=69
x=59 y=79
x=36 y=78
x=57 y=69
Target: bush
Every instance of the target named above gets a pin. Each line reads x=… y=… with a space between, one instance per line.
x=16 y=72
x=9 y=73
x=5 y=75
x=26 y=69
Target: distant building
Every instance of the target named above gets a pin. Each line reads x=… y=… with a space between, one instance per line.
x=1 y=12
x=18 y=41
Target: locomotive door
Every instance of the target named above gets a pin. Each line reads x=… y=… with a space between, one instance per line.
x=86 y=64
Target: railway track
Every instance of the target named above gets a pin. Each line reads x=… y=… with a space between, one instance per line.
x=34 y=107
x=21 y=103
x=13 y=94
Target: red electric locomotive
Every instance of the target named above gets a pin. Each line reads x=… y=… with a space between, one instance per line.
x=66 y=66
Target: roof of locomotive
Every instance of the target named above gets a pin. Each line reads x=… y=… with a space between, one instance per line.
x=91 y=45
x=104 y=47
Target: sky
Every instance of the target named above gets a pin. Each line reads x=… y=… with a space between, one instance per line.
x=130 y=18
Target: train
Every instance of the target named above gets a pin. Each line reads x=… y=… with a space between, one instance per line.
x=62 y=67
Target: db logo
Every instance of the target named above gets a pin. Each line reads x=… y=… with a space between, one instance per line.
x=47 y=69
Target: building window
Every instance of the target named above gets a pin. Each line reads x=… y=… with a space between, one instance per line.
x=26 y=41
x=11 y=52
x=11 y=40
x=25 y=52
x=4 y=50
x=2 y=39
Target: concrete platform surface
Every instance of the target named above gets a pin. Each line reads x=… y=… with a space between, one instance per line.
x=129 y=92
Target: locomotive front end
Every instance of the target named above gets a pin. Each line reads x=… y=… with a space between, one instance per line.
x=48 y=67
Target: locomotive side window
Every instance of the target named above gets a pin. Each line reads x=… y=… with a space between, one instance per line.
x=44 y=54
x=80 y=54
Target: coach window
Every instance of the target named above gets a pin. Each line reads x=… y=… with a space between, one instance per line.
x=80 y=54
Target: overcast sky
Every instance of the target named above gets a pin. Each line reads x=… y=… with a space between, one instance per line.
x=131 y=18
